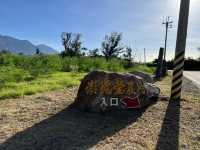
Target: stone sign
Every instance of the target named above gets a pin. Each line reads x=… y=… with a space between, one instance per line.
x=100 y=91
x=145 y=76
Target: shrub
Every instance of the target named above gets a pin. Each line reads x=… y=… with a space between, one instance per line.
x=12 y=74
x=21 y=67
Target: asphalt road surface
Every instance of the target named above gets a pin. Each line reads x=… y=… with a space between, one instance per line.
x=194 y=76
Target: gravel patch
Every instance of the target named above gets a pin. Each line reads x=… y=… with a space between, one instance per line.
x=47 y=122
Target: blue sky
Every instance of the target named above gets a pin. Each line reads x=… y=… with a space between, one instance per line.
x=140 y=21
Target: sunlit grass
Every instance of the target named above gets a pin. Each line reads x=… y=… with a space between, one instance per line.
x=16 y=81
x=42 y=83
x=48 y=82
x=141 y=67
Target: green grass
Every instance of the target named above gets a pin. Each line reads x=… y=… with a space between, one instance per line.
x=13 y=88
x=42 y=83
x=24 y=75
x=141 y=67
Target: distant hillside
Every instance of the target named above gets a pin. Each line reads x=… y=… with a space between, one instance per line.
x=46 y=49
x=22 y=46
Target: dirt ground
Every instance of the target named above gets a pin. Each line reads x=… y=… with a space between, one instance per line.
x=46 y=122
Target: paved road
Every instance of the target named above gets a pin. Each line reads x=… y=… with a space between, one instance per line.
x=194 y=76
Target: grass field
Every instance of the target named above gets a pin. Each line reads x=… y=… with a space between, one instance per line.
x=40 y=84
x=25 y=75
x=12 y=88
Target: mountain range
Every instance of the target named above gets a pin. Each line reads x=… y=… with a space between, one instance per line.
x=23 y=46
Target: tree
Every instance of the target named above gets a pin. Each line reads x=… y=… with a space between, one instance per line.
x=72 y=44
x=37 y=51
x=111 y=46
x=94 y=52
x=76 y=45
x=84 y=50
x=128 y=56
x=5 y=52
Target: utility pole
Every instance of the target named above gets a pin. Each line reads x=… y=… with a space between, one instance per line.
x=168 y=25
x=180 y=50
x=145 y=61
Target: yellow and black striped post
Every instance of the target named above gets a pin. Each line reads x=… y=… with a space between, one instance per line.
x=180 y=50
x=177 y=75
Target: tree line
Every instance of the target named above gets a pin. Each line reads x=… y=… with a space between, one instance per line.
x=111 y=46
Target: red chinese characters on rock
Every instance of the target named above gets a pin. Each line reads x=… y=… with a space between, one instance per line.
x=131 y=102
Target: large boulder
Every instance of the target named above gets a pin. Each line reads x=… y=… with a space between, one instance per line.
x=100 y=91
x=145 y=76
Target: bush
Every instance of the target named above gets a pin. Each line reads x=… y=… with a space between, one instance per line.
x=6 y=59
x=69 y=64
x=12 y=74
x=144 y=68
x=26 y=68
x=21 y=74
x=115 y=65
